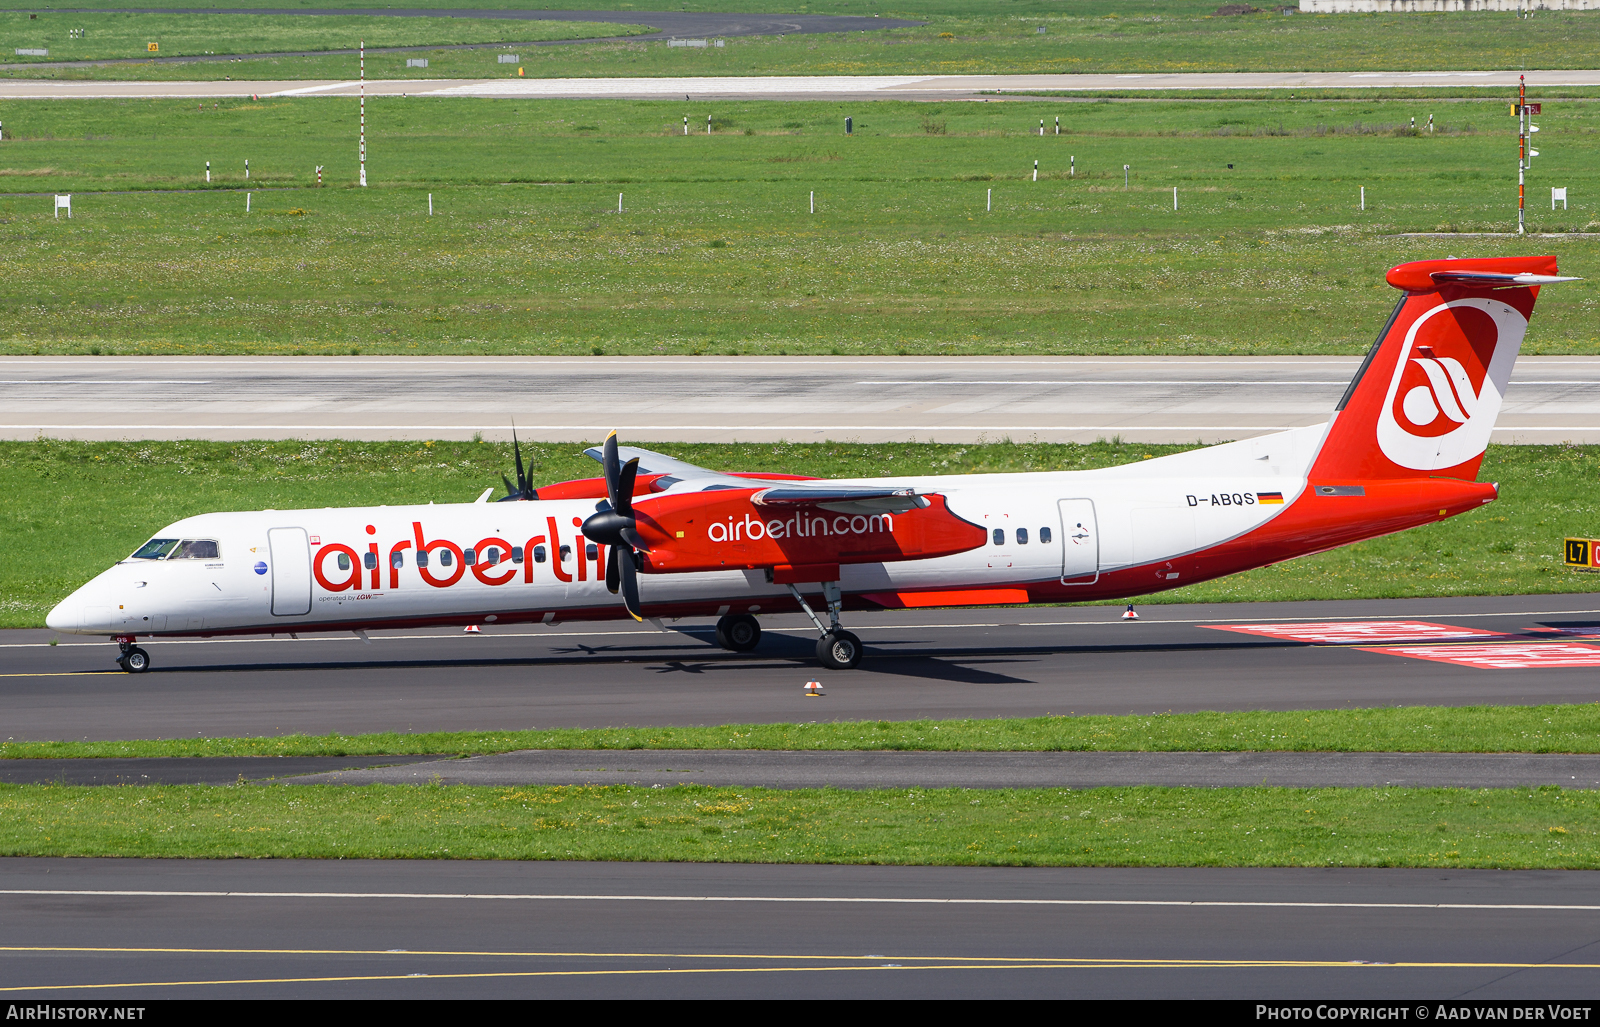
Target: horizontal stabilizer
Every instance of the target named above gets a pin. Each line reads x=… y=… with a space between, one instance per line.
x=1496 y=280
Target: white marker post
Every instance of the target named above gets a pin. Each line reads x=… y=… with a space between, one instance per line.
x=1174 y=197
x=1072 y=166
x=363 y=113
x=988 y=200
x=247 y=203
x=619 y=203
x=430 y=205
x=1125 y=177
x=1363 y=197
x=1041 y=128
x=319 y=176
x=1058 y=124
x=813 y=201
x=686 y=124
x=708 y=124
x=208 y=171
x=1036 y=171
x=247 y=169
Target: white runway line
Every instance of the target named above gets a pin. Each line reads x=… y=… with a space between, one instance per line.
x=817 y=900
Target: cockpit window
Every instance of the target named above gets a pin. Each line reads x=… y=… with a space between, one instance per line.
x=196 y=549
x=155 y=549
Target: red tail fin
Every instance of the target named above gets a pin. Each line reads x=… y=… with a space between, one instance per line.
x=1426 y=398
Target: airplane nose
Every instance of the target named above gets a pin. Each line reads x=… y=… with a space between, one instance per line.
x=66 y=616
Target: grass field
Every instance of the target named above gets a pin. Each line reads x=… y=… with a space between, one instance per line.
x=986 y=36
x=1506 y=828
x=1401 y=729
x=120 y=36
x=716 y=250
x=109 y=497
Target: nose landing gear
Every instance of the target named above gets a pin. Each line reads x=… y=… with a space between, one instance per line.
x=837 y=649
x=131 y=658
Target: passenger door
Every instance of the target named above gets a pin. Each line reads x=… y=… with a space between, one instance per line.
x=1080 y=542
x=291 y=572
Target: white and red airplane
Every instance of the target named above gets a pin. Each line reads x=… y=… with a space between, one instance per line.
x=1402 y=448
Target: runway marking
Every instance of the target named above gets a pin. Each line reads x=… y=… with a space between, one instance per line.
x=855 y=964
x=1346 y=632
x=645 y=633
x=62 y=674
x=104 y=381
x=1502 y=655
x=790 y=899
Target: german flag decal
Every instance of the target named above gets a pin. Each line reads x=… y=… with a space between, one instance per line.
x=1268 y=498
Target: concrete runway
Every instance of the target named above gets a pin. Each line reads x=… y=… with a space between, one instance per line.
x=479 y=929
x=711 y=399
x=1011 y=662
x=797 y=87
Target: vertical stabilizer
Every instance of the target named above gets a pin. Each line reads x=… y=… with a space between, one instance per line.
x=1425 y=400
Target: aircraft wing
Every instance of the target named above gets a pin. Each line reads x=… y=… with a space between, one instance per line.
x=847 y=499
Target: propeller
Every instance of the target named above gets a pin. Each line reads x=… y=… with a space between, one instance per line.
x=614 y=525
x=521 y=490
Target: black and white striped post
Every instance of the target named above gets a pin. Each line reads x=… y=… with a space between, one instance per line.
x=363 y=114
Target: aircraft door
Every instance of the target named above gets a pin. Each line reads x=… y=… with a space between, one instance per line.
x=1080 y=542
x=291 y=572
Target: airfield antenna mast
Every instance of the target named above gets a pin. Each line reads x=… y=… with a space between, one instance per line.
x=1522 y=147
x=363 y=113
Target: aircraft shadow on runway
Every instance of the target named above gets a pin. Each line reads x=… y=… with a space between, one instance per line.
x=885 y=656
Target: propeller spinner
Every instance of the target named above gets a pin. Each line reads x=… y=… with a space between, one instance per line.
x=615 y=526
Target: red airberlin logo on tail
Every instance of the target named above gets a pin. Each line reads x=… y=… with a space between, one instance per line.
x=1448 y=383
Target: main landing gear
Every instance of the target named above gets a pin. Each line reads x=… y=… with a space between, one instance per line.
x=131 y=658
x=837 y=649
x=738 y=632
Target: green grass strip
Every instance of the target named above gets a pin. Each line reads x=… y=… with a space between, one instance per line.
x=1402 y=729
x=1508 y=828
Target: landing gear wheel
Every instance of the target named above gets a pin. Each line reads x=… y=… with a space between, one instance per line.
x=135 y=660
x=839 y=650
x=738 y=632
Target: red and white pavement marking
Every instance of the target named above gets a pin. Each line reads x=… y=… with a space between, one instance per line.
x=1502 y=655
x=1349 y=632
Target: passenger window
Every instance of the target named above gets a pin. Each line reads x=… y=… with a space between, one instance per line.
x=516 y=554
x=1022 y=536
x=1044 y=536
x=369 y=561
x=591 y=552
x=469 y=557
x=999 y=536
x=422 y=558
x=491 y=556
x=196 y=549
x=397 y=559
x=566 y=553
x=538 y=554
x=154 y=549
x=344 y=561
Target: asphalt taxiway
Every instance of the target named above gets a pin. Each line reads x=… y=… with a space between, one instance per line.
x=118 y=931
x=718 y=399
x=929 y=663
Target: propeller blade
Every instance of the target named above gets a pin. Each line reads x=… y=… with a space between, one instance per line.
x=630 y=536
x=622 y=502
x=613 y=574
x=630 y=587
x=511 y=490
x=522 y=479
x=612 y=470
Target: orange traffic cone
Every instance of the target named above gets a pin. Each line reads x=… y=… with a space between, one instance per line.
x=1130 y=615
x=471 y=629
x=813 y=688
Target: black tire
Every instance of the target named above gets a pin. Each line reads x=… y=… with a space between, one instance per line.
x=741 y=633
x=135 y=661
x=839 y=650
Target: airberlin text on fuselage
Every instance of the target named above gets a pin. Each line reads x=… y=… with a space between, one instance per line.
x=502 y=570
x=798 y=526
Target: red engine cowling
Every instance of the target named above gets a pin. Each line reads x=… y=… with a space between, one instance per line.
x=725 y=530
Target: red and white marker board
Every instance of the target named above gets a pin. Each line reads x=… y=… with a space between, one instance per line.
x=1503 y=655
x=1358 y=631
